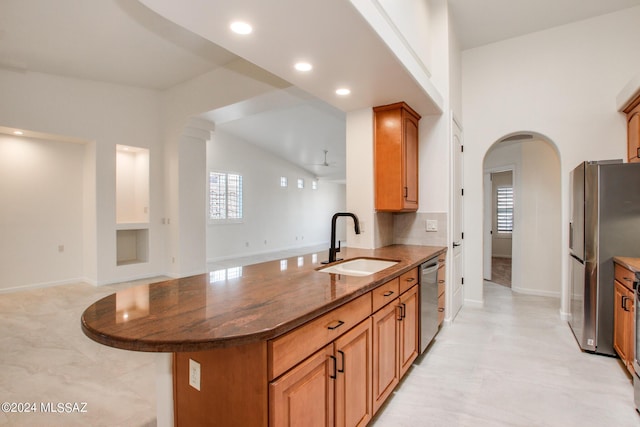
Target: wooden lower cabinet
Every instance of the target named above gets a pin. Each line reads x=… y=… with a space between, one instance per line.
x=330 y=388
x=395 y=343
x=385 y=353
x=408 y=334
x=353 y=354
x=304 y=396
x=335 y=370
x=623 y=321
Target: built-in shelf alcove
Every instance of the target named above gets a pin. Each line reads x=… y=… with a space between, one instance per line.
x=132 y=205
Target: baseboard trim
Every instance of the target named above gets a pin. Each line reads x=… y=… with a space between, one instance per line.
x=536 y=292
x=32 y=286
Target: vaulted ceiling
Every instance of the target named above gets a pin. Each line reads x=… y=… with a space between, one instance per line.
x=124 y=42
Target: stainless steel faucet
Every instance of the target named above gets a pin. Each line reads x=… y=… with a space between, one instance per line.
x=333 y=250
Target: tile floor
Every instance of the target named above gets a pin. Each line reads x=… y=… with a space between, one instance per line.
x=511 y=363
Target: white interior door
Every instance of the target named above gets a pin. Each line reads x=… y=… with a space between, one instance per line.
x=456 y=257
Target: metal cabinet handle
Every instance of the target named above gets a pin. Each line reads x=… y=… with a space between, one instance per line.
x=335 y=372
x=399 y=310
x=624 y=303
x=409 y=279
x=341 y=354
x=440 y=309
x=388 y=293
x=404 y=310
x=336 y=325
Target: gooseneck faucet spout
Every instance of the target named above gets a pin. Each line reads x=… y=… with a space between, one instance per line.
x=333 y=250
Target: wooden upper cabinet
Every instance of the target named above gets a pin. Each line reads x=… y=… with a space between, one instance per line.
x=396 y=158
x=633 y=133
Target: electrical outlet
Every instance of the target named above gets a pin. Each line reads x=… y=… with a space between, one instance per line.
x=432 y=225
x=194 y=374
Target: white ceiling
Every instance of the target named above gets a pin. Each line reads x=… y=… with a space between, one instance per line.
x=480 y=22
x=124 y=42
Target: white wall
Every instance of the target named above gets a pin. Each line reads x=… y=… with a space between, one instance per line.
x=41 y=187
x=103 y=115
x=275 y=218
x=561 y=83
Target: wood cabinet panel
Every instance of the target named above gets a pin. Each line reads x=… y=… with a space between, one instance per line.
x=384 y=294
x=353 y=405
x=385 y=354
x=396 y=158
x=633 y=135
x=228 y=402
x=623 y=321
x=304 y=396
x=289 y=349
x=408 y=329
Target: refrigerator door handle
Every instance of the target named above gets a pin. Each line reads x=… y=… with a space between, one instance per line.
x=570 y=235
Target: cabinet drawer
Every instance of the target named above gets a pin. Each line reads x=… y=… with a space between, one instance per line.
x=408 y=279
x=293 y=347
x=624 y=276
x=382 y=295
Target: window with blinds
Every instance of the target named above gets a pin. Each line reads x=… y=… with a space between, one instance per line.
x=504 y=209
x=225 y=196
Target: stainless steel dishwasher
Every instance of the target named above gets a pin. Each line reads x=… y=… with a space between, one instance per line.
x=428 y=302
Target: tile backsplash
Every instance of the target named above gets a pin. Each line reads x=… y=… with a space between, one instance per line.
x=410 y=228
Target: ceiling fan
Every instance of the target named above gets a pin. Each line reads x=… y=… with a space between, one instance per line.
x=325 y=163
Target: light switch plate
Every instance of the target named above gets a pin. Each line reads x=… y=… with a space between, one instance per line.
x=432 y=225
x=194 y=374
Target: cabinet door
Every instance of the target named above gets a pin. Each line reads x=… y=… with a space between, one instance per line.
x=385 y=353
x=353 y=383
x=408 y=329
x=631 y=332
x=304 y=396
x=633 y=135
x=619 y=321
x=410 y=154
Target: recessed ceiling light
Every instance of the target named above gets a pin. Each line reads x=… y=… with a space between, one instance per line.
x=303 y=66
x=343 y=91
x=240 y=27
x=18 y=132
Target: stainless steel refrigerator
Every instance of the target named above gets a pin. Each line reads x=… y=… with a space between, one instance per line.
x=604 y=222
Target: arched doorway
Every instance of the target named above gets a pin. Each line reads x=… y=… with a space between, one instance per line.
x=534 y=224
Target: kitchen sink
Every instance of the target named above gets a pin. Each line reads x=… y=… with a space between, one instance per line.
x=359 y=266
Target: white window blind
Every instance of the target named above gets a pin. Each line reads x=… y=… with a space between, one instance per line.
x=504 y=209
x=225 y=196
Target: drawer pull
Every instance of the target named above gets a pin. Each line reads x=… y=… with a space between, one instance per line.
x=440 y=309
x=626 y=279
x=335 y=325
x=440 y=281
x=388 y=293
x=409 y=279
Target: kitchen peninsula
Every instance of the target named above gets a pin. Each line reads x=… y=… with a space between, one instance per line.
x=241 y=338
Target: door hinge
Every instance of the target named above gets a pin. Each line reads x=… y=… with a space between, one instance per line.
x=462 y=148
x=462 y=280
x=462 y=191
x=462 y=235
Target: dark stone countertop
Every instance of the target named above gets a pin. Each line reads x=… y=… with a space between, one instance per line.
x=236 y=306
